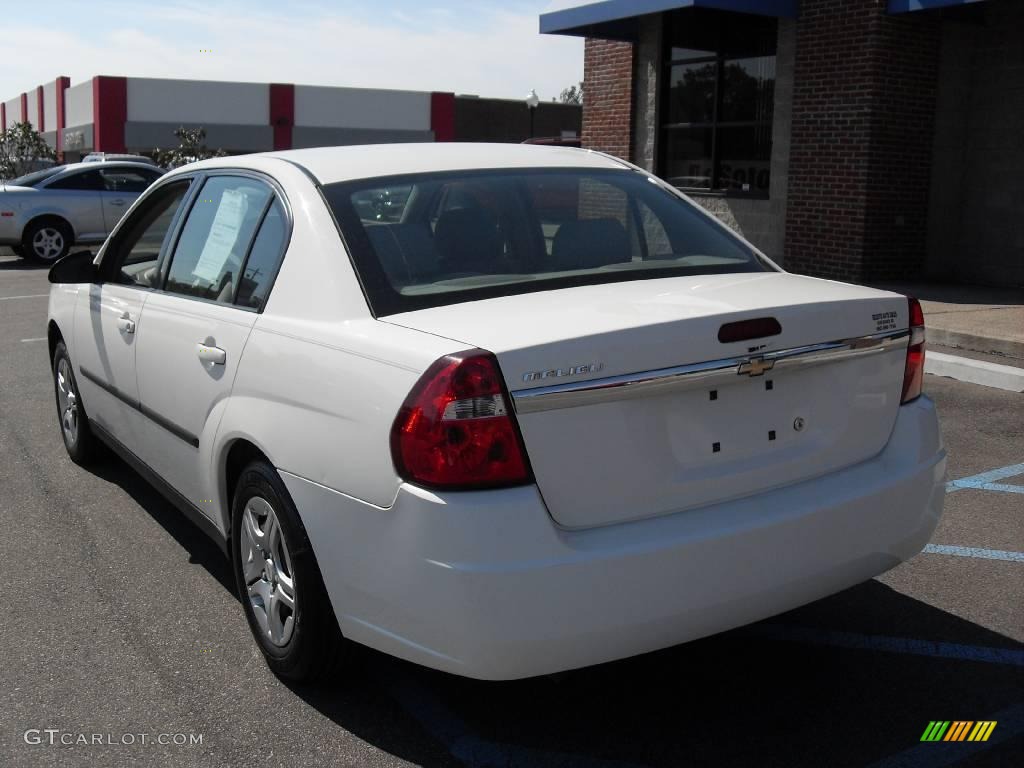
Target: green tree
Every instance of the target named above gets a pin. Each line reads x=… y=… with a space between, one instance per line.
x=192 y=147
x=23 y=150
x=572 y=95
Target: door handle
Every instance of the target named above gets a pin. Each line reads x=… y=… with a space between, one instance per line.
x=125 y=323
x=117 y=202
x=214 y=355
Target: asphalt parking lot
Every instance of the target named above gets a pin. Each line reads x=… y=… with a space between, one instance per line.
x=120 y=620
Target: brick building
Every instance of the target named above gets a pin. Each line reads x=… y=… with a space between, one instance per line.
x=853 y=139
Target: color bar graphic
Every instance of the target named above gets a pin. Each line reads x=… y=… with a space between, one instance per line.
x=958 y=730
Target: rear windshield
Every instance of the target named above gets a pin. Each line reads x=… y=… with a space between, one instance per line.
x=444 y=238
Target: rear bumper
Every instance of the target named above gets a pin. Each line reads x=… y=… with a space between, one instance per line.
x=484 y=584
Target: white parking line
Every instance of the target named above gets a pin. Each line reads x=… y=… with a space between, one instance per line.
x=32 y=296
x=26 y=341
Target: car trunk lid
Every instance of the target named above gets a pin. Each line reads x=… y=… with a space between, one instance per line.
x=630 y=406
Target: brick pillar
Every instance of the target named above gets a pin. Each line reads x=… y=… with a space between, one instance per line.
x=863 y=116
x=608 y=97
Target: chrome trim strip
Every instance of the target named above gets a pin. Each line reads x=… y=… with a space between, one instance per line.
x=697 y=375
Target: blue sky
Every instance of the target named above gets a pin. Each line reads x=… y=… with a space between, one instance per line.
x=491 y=49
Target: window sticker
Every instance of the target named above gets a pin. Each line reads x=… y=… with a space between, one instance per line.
x=223 y=233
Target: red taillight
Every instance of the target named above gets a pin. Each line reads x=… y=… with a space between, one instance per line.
x=455 y=429
x=913 y=372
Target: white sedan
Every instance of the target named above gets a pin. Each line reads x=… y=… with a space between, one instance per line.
x=500 y=410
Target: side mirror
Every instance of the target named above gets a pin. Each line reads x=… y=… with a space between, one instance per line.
x=74 y=268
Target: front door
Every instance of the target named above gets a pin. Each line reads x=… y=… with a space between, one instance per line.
x=108 y=317
x=121 y=186
x=195 y=331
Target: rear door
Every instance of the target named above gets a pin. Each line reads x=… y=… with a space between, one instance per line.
x=121 y=186
x=196 y=326
x=108 y=317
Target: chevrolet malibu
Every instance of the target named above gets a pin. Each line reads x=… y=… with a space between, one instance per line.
x=542 y=414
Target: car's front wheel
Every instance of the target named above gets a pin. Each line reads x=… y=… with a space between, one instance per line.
x=81 y=444
x=279 y=581
x=46 y=241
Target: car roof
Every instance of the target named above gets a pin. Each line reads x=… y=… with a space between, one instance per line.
x=333 y=164
x=95 y=166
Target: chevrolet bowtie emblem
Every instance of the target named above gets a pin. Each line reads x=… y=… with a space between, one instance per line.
x=755 y=366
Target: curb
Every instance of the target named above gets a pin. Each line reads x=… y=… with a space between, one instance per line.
x=968 y=341
x=975 y=371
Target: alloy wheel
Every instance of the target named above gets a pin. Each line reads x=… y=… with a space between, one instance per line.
x=48 y=243
x=67 y=397
x=267 y=570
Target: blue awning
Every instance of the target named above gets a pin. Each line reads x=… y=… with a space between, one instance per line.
x=617 y=19
x=906 y=6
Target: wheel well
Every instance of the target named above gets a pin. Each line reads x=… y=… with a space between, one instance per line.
x=49 y=218
x=53 y=335
x=241 y=453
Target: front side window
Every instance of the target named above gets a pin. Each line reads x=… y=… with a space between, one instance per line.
x=462 y=236
x=716 y=132
x=130 y=180
x=133 y=253
x=215 y=239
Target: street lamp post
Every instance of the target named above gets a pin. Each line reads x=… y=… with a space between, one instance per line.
x=532 y=100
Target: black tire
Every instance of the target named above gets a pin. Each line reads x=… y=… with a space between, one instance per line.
x=316 y=648
x=81 y=444
x=46 y=241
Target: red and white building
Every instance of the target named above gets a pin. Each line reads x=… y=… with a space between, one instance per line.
x=138 y=114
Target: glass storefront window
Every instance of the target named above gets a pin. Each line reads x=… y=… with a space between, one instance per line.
x=717 y=104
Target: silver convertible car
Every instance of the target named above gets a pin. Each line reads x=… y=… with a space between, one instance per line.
x=43 y=214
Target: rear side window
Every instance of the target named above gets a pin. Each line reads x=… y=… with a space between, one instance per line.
x=443 y=238
x=211 y=250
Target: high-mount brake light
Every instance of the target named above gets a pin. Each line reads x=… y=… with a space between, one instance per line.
x=455 y=429
x=913 y=371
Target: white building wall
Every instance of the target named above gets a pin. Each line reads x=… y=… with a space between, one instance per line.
x=153 y=100
x=13 y=111
x=50 y=106
x=326 y=107
x=78 y=104
x=33 y=108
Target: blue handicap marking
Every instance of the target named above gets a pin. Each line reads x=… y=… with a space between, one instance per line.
x=986 y=480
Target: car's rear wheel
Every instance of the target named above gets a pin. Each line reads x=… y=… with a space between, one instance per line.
x=279 y=581
x=81 y=444
x=46 y=241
